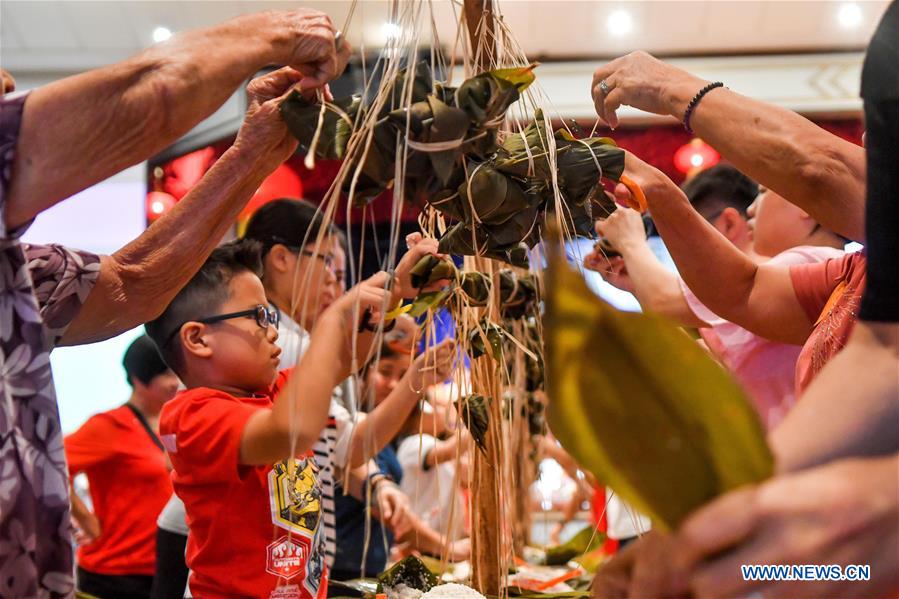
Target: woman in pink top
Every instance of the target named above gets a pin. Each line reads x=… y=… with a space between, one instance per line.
x=760 y=226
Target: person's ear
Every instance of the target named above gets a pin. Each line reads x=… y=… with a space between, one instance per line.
x=278 y=259
x=731 y=223
x=193 y=339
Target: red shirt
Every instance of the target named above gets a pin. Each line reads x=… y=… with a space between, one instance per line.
x=254 y=532
x=129 y=484
x=830 y=293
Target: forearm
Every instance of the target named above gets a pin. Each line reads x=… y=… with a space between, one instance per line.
x=145 y=275
x=657 y=288
x=421 y=536
x=812 y=168
x=121 y=114
x=300 y=411
x=842 y=414
x=722 y=277
x=384 y=423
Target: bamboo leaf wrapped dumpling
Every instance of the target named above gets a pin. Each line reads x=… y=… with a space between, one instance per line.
x=487 y=96
x=474 y=412
x=301 y=118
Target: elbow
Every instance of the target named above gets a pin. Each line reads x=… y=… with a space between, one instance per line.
x=161 y=87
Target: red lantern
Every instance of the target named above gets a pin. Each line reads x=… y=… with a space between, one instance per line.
x=157 y=204
x=695 y=156
x=283 y=183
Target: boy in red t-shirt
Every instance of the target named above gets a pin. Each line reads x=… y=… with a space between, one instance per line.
x=242 y=437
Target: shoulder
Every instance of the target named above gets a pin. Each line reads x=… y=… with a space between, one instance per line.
x=191 y=403
x=806 y=254
x=62 y=277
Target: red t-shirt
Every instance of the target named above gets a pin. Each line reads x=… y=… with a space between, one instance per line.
x=252 y=534
x=129 y=484
x=830 y=292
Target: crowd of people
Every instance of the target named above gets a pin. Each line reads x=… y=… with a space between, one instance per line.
x=298 y=419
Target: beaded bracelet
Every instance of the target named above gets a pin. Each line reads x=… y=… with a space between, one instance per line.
x=692 y=105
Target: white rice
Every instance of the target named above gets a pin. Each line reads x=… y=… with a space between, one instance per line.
x=452 y=591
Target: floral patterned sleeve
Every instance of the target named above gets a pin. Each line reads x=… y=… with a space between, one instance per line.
x=62 y=277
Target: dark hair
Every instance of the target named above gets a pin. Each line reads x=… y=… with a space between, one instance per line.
x=142 y=361
x=285 y=221
x=718 y=188
x=203 y=295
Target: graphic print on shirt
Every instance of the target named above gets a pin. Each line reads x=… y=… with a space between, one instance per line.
x=296 y=505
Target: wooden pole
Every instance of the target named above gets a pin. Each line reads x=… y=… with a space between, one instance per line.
x=490 y=547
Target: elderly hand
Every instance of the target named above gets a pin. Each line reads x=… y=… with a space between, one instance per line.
x=434 y=366
x=264 y=134
x=844 y=512
x=309 y=40
x=644 y=82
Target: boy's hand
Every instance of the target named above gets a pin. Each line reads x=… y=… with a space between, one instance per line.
x=419 y=247
x=433 y=366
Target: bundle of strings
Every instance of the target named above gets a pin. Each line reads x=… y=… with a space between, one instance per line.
x=490 y=46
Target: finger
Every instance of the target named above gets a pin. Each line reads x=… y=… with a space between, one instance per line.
x=603 y=73
x=611 y=102
x=719 y=525
x=412 y=239
x=379 y=279
x=600 y=227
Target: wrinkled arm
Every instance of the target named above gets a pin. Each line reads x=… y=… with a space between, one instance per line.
x=821 y=173
x=817 y=171
x=137 y=282
x=121 y=114
x=761 y=299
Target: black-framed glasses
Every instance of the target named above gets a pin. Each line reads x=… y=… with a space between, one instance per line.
x=264 y=316
x=327 y=259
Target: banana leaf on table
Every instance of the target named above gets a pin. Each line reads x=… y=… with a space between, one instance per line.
x=641 y=406
x=586 y=540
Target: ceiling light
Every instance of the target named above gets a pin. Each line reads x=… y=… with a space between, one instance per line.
x=849 y=15
x=391 y=31
x=620 y=22
x=160 y=34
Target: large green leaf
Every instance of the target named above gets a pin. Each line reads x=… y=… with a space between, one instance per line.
x=642 y=406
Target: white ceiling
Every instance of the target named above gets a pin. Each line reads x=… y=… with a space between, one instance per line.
x=71 y=35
